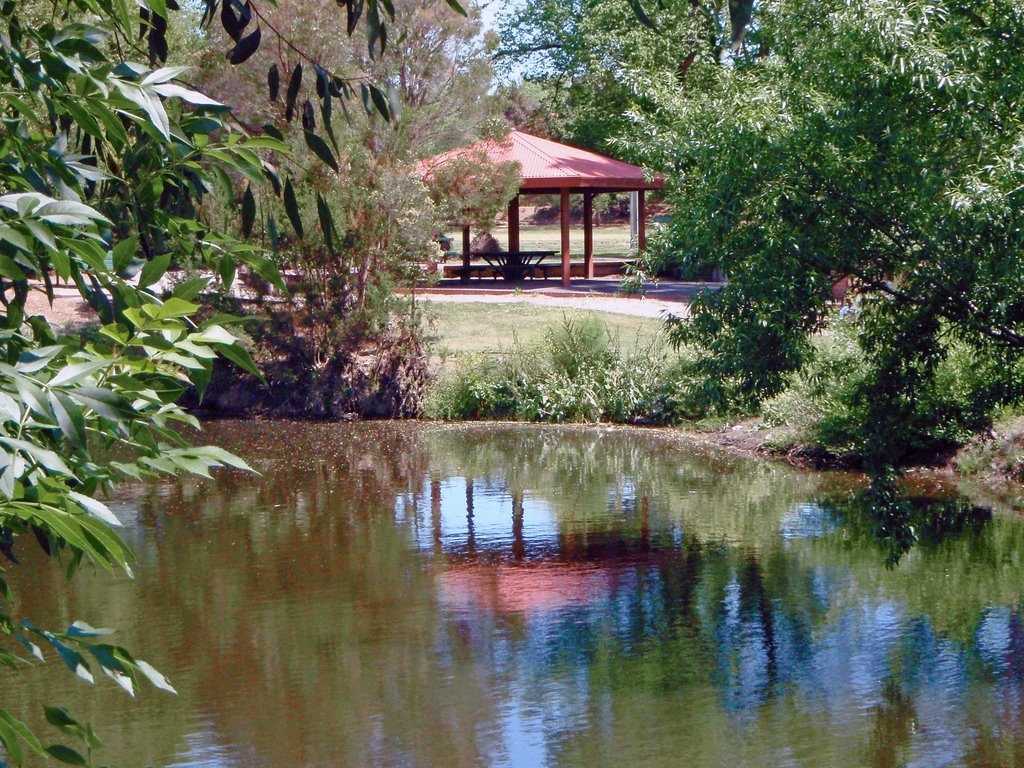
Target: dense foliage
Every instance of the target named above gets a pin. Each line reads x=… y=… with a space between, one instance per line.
x=354 y=224
x=589 y=59
x=879 y=140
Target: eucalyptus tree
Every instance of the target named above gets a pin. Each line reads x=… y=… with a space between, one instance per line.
x=354 y=219
x=590 y=56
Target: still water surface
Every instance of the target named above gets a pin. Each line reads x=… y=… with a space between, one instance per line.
x=410 y=595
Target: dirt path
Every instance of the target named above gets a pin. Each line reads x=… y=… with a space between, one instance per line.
x=68 y=312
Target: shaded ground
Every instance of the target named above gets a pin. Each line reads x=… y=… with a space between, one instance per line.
x=612 y=240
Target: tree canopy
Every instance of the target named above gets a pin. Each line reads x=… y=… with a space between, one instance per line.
x=879 y=140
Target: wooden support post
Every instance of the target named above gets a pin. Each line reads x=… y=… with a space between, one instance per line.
x=564 y=217
x=588 y=235
x=465 y=254
x=641 y=222
x=513 y=224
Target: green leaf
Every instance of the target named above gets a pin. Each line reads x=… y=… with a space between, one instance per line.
x=189 y=289
x=294 y=84
x=9 y=269
x=68 y=212
x=65 y=755
x=224 y=457
x=43 y=456
x=124 y=252
x=104 y=402
x=457 y=7
x=12 y=744
x=155 y=677
x=245 y=47
x=149 y=104
x=71 y=374
x=320 y=149
x=192 y=97
x=380 y=101
x=95 y=508
x=69 y=417
x=273 y=82
x=22 y=730
x=61 y=718
x=272 y=142
x=82 y=629
x=326 y=221
x=267 y=269
x=291 y=207
x=248 y=211
x=227 y=269
x=239 y=357
x=72 y=658
x=155 y=269
x=176 y=307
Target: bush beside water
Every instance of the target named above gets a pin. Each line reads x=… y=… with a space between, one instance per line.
x=579 y=372
x=824 y=406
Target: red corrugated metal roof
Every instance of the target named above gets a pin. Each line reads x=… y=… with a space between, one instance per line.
x=549 y=165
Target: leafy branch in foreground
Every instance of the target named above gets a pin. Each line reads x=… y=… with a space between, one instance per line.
x=104 y=168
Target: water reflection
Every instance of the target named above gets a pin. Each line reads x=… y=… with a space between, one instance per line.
x=885 y=517
x=406 y=595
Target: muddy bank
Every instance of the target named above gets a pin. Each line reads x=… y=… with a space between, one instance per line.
x=385 y=379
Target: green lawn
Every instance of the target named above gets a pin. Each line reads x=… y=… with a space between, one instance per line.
x=608 y=241
x=461 y=329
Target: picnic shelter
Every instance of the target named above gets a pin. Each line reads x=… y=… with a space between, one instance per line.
x=550 y=168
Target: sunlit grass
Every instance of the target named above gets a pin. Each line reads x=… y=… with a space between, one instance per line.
x=460 y=329
x=609 y=241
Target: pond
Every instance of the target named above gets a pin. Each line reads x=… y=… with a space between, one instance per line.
x=422 y=595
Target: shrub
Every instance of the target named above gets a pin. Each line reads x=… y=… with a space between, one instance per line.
x=578 y=373
x=825 y=402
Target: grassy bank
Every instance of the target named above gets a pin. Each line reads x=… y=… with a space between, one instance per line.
x=521 y=362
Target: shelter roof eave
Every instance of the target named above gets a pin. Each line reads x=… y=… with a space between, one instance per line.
x=547 y=186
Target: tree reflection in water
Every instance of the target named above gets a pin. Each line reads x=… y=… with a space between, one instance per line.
x=894 y=522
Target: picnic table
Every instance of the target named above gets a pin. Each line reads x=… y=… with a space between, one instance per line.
x=515 y=265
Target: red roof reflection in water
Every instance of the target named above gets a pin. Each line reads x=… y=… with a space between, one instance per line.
x=504 y=589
